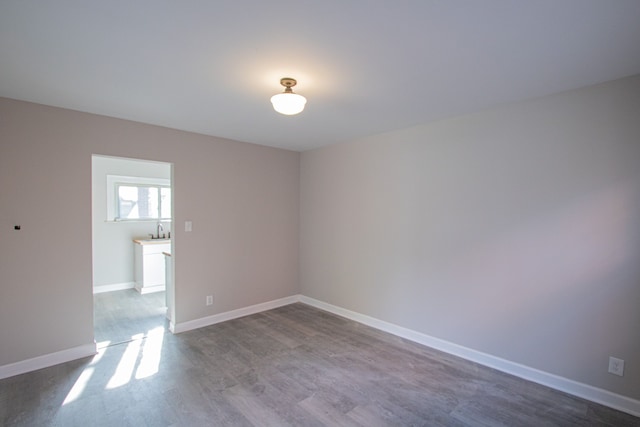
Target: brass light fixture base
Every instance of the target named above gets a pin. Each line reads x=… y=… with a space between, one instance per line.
x=288 y=83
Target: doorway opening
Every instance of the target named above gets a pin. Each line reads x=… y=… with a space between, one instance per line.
x=132 y=213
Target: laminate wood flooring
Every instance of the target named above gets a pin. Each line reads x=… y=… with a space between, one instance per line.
x=291 y=366
x=121 y=316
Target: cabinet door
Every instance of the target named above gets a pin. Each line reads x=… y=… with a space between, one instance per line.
x=154 y=273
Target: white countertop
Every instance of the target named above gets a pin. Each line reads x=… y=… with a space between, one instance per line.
x=151 y=241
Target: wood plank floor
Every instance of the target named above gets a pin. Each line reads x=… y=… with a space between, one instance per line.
x=120 y=316
x=294 y=365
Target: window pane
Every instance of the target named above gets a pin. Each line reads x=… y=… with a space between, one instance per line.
x=136 y=202
x=128 y=202
x=150 y=200
x=165 y=204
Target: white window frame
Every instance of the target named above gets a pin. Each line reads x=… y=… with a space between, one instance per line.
x=113 y=181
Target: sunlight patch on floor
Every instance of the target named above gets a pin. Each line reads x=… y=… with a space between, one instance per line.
x=127 y=364
x=85 y=376
x=151 y=353
x=79 y=386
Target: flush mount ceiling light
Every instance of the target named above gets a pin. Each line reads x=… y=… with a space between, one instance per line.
x=288 y=103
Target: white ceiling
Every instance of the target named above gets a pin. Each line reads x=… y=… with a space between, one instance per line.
x=365 y=66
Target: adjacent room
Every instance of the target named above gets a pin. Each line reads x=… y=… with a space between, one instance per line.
x=321 y=213
x=131 y=237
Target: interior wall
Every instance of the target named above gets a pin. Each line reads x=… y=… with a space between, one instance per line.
x=514 y=231
x=242 y=199
x=112 y=240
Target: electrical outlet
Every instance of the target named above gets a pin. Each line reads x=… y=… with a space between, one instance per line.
x=616 y=366
x=209 y=299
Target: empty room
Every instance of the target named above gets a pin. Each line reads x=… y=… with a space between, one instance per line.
x=341 y=213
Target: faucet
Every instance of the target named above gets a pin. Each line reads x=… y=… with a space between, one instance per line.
x=158 y=229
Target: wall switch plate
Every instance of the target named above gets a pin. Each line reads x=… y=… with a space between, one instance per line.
x=209 y=299
x=616 y=366
x=188 y=226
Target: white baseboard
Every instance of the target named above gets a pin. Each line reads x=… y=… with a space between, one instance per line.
x=585 y=391
x=150 y=289
x=47 y=360
x=113 y=287
x=233 y=314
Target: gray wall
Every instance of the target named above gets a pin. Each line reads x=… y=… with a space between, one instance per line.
x=243 y=200
x=112 y=241
x=514 y=231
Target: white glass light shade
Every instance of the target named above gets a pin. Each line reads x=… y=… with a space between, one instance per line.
x=288 y=103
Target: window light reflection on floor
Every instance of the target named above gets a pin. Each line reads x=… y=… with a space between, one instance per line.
x=127 y=364
x=143 y=352
x=151 y=353
x=85 y=376
x=79 y=385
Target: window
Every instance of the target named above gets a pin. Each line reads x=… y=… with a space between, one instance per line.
x=142 y=202
x=138 y=199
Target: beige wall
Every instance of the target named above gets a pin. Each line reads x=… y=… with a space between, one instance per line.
x=242 y=198
x=514 y=231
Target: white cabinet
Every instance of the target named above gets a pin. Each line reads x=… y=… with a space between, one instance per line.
x=150 y=264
